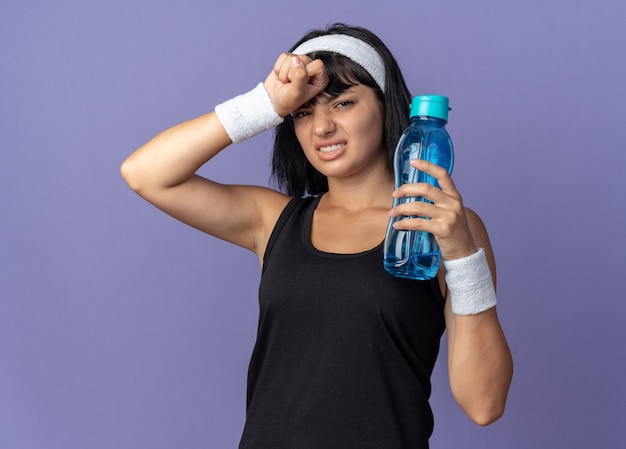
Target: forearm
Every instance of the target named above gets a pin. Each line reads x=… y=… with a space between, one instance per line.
x=480 y=365
x=173 y=156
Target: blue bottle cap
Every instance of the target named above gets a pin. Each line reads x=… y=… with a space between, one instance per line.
x=430 y=106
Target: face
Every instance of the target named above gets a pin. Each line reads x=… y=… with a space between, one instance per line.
x=343 y=136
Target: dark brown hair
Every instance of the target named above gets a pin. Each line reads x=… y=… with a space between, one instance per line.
x=291 y=170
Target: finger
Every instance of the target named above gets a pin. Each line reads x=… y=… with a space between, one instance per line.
x=305 y=59
x=416 y=224
x=281 y=67
x=422 y=189
x=284 y=73
x=439 y=173
x=284 y=64
x=439 y=219
x=442 y=224
x=316 y=72
x=307 y=79
x=414 y=209
x=280 y=61
x=296 y=72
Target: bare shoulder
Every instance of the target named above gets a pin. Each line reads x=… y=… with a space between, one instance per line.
x=268 y=202
x=271 y=204
x=240 y=214
x=249 y=216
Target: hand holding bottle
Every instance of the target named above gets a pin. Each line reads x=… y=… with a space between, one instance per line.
x=444 y=216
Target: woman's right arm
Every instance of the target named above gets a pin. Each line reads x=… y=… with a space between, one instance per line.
x=163 y=171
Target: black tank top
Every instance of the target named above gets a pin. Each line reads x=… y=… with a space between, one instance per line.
x=344 y=351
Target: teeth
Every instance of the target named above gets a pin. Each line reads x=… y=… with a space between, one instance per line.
x=331 y=148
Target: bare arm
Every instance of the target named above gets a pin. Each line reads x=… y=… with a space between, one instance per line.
x=480 y=365
x=163 y=171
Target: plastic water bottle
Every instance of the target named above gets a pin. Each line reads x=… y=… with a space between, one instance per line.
x=415 y=254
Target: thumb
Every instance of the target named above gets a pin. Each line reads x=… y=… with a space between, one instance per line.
x=297 y=73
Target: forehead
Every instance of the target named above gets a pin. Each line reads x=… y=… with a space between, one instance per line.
x=327 y=96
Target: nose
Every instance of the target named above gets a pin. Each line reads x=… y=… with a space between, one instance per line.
x=323 y=123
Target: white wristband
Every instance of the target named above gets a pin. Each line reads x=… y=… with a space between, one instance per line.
x=470 y=284
x=248 y=114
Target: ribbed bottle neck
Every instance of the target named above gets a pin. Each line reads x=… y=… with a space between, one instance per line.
x=431 y=120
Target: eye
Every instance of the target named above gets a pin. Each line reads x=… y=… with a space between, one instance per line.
x=344 y=103
x=299 y=114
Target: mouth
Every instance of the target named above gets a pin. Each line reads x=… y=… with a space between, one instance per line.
x=331 y=148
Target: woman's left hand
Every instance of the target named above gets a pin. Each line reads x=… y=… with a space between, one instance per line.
x=448 y=220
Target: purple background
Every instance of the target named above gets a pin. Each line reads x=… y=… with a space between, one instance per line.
x=122 y=328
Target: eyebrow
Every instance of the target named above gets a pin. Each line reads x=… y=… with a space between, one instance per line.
x=326 y=96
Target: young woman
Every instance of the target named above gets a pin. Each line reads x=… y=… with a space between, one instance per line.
x=344 y=351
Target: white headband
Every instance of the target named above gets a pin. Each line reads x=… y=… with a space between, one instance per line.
x=350 y=47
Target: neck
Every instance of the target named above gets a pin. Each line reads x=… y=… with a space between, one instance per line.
x=353 y=194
